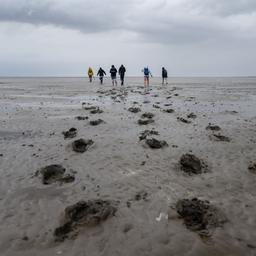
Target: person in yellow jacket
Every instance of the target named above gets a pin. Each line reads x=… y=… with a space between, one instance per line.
x=90 y=74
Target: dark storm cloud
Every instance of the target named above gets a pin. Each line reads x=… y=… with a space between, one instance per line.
x=173 y=21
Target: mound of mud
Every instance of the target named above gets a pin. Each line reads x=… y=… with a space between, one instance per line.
x=134 y=109
x=96 y=111
x=169 y=110
x=71 y=133
x=252 y=168
x=219 y=137
x=147 y=115
x=54 y=173
x=192 y=116
x=146 y=133
x=191 y=164
x=96 y=122
x=199 y=215
x=81 y=118
x=81 y=145
x=145 y=121
x=83 y=213
x=213 y=127
x=183 y=120
x=155 y=144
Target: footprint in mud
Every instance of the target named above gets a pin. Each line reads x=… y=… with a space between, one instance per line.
x=169 y=110
x=191 y=164
x=183 y=120
x=81 y=145
x=192 y=116
x=134 y=109
x=96 y=122
x=142 y=195
x=252 y=168
x=54 y=173
x=200 y=216
x=213 y=127
x=82 y=214
x=219 y=137
x=71 y=133
x=156 y=144
x=156 y=106
x=146 y=133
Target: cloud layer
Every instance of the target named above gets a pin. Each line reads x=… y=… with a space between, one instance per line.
x=174 y=21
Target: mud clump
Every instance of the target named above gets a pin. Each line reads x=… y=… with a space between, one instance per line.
x=156 y=106
x=145 y=121
x=192 y=116
x=213 y=127
x=83 y=213
x=219 y=137
x=134 y=109
x=199 y=215
x=96 y=111
x=81 y=118
x=156 y=144
x=146 y=133
x=191 y=164
x=96 y=122
x=252 y=168
x=169 y=110
x=71 y=133
x=54 y=173
x=183 y=120
x=81 y=145
x=147 y=115
x=141 y=196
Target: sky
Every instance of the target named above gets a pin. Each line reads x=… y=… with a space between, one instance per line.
x=188 y=37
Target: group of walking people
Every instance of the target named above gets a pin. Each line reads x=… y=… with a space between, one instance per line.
x=113 y=73
x=121 y=71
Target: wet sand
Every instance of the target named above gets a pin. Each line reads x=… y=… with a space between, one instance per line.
x=143 y=183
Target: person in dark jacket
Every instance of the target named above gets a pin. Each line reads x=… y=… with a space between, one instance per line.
x=113 y=72
x=164 y=76
x=121 y=72
x=101 y=74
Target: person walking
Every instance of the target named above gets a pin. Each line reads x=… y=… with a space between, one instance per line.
x=101 y=74
x=164 y=76
x=113 y=72
x=90 y=74
x=121 y=72
x=146 y=72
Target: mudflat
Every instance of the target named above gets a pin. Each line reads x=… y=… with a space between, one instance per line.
x=181 y=181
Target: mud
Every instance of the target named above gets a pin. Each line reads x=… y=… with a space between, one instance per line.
x=191 y=164
x=71 y=133
x=200 y=215
x=219 y=137
x=96 y=111
x=81 y=145
x=156 y=106
x=170 y=110
x=145 y=121
x=183 y=120
x=156 y=144
x=252 y=168
x=192 y=116
x=146 y=133
x=81 y=118
x=96 y=122
x=54 y=173
x=147 y=115
x=81 y=214
x=213 y=127
x=134 y=109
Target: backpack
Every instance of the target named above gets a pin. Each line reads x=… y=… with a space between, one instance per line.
x=146 y=71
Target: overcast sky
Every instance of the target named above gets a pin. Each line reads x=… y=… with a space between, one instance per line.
x=189 y=37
